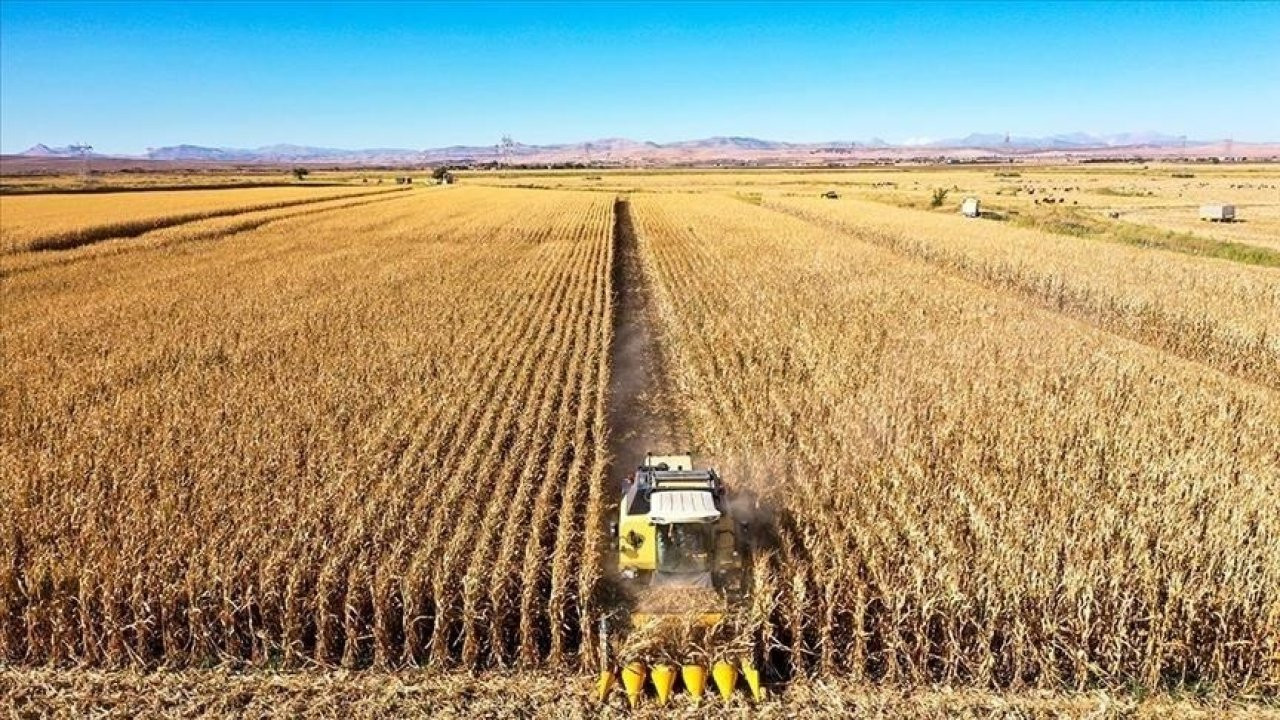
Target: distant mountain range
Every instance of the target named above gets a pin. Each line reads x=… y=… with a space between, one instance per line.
x=622 y=150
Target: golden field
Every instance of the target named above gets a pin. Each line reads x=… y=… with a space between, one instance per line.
x=1026 y=464
x=940 y=454
x=61 y=222
x=1155 y=204
x=1220 y=312
x=257 y=452
x=540 y=695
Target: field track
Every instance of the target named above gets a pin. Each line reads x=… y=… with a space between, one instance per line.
x=642 y=417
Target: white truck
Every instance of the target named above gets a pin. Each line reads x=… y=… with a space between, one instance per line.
x=1218 y=212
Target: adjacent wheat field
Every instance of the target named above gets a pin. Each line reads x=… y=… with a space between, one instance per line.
x=1219 y=312
x=261 y=430
x=58 y=222
x=350 y=438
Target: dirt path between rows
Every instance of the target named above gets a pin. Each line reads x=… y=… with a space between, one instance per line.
x=642 y=415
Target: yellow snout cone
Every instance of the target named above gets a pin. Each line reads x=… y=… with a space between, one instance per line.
x=695 y=680
x=604 y=684
x=726 y=676
x=752 y=676
x=664 y=678
x=633 y=675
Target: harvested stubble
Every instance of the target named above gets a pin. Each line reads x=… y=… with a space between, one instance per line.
x=348 y=438
x=1218 y=312
x=370 y=695
x=974 y=489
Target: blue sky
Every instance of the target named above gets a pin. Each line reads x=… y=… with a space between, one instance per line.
x=127 y=76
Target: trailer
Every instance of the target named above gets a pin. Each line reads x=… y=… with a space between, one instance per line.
x=1218 y=212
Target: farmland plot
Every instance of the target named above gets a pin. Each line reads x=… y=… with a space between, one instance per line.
x=972 y=489
x=1218 y=312
x=58 y=222
x=344 y=438
x=371 y=430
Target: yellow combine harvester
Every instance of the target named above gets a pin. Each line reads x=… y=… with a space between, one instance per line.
x=674 y=530
x=681 y=554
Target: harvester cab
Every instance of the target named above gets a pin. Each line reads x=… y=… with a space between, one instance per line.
x=674 y=529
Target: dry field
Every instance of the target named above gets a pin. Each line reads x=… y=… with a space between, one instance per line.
x=972 y=488
x=538 y=695
x=342 y=450
x=1154 y=205
x=61 y=222
x=339 y=439
x=1219 y=312
x=20 y=176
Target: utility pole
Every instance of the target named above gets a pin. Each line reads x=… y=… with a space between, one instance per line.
x=508 y=146
x=84 y=150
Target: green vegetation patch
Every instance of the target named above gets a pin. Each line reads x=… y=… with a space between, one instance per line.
x=1078 y=224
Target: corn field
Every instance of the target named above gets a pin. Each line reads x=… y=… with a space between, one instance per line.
x=970 y=489
x=269 y=429
x=359 y=437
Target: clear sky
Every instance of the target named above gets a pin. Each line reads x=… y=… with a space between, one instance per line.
x=124 y=77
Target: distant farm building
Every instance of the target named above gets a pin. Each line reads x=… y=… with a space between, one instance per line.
x=971 y=208
x=1218 y=212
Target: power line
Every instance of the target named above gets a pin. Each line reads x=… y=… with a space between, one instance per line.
x=508 y=146
x=84 y=150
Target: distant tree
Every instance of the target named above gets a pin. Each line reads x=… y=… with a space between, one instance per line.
x=300 y=173
x=939 y=197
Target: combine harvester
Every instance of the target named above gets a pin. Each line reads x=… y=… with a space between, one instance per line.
x=682 y=563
